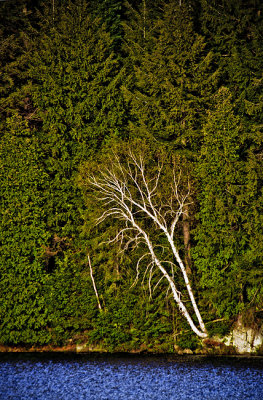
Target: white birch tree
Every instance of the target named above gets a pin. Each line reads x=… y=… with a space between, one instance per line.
x=139 y=196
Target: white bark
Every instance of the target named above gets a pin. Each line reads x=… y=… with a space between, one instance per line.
x=129 y=193
x=94 y=284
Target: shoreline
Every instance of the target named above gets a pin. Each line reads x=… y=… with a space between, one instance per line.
x=74 y=350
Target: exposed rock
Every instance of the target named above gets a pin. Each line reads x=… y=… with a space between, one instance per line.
x=180 y=352
x=187 y=351
x=80 y=348
x=86 y=348
x=177 y=348
x=245 y=339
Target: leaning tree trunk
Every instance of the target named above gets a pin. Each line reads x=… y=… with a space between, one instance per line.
x=135 y=196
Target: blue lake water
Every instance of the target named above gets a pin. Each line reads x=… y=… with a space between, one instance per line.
x=104 y=377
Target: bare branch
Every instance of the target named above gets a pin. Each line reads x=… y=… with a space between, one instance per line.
x=132 y=193
x=137 y=268
x=94 y=285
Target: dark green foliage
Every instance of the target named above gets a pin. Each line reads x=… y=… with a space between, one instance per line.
x=79 y=77
x=23 y=237
x=173 y=78
x=230 y=199
x=133 y=321
x=76 y=76
x=111 y=13
x=188 y=341
x=70 y=121
x=219 y=328
x=75 y=95
x=13 y=58
x=234 y=33
x=71 y=302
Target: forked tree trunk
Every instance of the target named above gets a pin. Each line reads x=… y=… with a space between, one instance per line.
x=131 y=195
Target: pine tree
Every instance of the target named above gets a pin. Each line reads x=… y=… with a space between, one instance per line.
x=173 y=79
x=234 y=32
x=14 y=50
x=76 y=96
x=111 y=14
x=230 y=201
x=170 y=87
x=57 y=112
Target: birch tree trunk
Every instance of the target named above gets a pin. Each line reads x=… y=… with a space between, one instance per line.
x=140 y=197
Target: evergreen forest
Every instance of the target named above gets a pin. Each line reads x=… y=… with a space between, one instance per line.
x=97 y=95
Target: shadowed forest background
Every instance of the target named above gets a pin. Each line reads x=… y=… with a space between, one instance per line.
x=80 y=78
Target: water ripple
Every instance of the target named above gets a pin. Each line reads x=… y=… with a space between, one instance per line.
x=41 y=377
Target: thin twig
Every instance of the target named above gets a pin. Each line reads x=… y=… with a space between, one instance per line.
x=94 y=284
